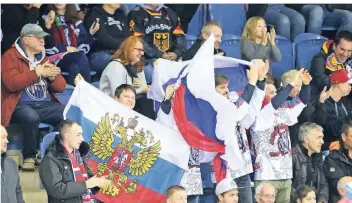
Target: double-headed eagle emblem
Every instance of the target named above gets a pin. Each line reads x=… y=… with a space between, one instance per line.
x=131 y=156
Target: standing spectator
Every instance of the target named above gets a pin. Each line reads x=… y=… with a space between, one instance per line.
x=160 y=29
x=338 y=163
x=305 y=194
x=338 y=16
x=341 y=188
x=69 y=41
x=126 y=67
x=13 y=18
x=265 y=193
x=185 y=12
x=113 y=30
x=207 y=29
x=308 y=162
x=28 y=86
x=176 y=194
x=288 y=22
x=64 y=174
x=270 y=134
x=313 y=15
x=335 y=113
x=227 y=191
x=11 y=190
x=258 y=43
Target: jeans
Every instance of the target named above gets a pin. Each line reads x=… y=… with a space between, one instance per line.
x=208 y=195
x=99 y=60
x=313 y=15
x=338 y=18
x=288 y=22
x=245 y=189
x=74 y=63
x=193 y=199
x=29 y=115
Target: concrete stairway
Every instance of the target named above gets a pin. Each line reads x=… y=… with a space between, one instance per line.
x=30 y=183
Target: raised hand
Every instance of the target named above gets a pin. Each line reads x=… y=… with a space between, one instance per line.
x=306 y=77
x=95 y=27
x=49 y=20
x=324 y=95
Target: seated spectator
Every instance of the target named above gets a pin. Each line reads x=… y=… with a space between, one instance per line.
x=313 y=15
x=305 y=194
x=176 y=194
x=64 y=174
x=265 y=193
x=207 y=29
x=288 y=22
x=227 y=191
x=335 y=113
x=28 y=86
x=270 y=134
x=162 y=35
x=11 y=190
x=337 y=15
x=338 y=163
x=308 y=162
x=69 y=41
x=13 y=18
x=341 y=188
x=126 y=67
x=113 y=30
x=258 y=43
x=334 y=55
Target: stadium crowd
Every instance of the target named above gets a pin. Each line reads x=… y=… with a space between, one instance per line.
x=295 y=144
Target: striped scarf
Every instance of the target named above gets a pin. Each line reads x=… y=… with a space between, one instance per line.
x=80 y=174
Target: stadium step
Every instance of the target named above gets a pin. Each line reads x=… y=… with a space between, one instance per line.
x=30 y=183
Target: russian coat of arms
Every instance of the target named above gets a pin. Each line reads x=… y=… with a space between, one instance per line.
x=125 y=158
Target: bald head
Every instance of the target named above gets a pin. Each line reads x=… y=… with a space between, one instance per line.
x=265 y=193
x=341 y=185
x=4 y=140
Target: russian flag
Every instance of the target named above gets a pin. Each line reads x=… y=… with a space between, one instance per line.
x=206 y=119
x=137 y=153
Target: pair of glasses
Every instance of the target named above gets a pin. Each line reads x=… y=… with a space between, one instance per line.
x=140 y=50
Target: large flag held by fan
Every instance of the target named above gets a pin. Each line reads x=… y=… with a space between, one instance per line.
x=206 y=119
x=135 y=152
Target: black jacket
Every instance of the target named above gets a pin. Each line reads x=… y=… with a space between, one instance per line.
x=13 y=18
x=336 y=165
x=160 y=30
x=112 y=32
x=300 y=164
x=191 y=52
x=11 y=191
x=56 y=174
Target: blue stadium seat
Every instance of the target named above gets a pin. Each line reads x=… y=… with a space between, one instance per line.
x=231 y=17
x=329 y=28
x=47 y=140
x=95 y=84
x=231 y=45
x=66 y=73
x=190 y=40
x=306 y=46
x=197 y=21
x=46 y=125
x=64 y=97
x=287 y=59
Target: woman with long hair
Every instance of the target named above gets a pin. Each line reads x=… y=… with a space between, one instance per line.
x=259 y=43
x=126 y=67
x=305 y=194
x=69 y=41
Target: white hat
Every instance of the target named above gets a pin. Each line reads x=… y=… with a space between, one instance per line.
x=225 y=185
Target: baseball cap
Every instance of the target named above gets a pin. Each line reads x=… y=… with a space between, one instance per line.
x=340 y=76
x=33 y=29
x=225 y=185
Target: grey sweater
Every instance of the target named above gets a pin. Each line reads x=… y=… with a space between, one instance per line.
x=251 y=50
x=11 y=191
x=116 y=74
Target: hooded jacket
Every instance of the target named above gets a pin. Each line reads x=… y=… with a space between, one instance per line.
x=336 y=165
x=112 y=32
x=11 y=191
x=17 y=74
x=57 y=175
